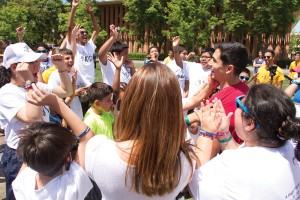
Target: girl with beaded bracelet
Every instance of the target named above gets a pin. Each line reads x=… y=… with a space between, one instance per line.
x=265 y=120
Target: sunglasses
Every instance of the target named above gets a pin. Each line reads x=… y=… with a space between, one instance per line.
x=240 y=104
x=244 y=78
x=83 y=32
x=267 y=57
x=41 y=51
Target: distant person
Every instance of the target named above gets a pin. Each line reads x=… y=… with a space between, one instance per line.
x=295 y=64
x=84 y=61
x=170 y=57
x=245 y=76
x=269 y=72
x=112 y=45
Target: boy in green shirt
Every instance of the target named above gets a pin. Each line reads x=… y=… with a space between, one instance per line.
x=99 y=117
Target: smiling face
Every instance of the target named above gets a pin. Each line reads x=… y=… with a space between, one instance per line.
x=82 y=36
x=218 y=70
x=154 y=54
x=69 y=61
x=204 y=60
x=34 y=67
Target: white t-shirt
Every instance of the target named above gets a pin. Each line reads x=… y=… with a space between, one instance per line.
x=108 y=73
x=12 y=100
x=84 y=62
x=196 y=74
x=105 y=167
x=72 y=184
x=178 y=71
x=75 y=105
x=45 y=65
x=258 y=173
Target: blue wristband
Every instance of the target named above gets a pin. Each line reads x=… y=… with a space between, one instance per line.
x=296 y=82
x=83 y=133
x=207 y=134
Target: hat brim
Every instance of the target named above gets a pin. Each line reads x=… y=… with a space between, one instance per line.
x=32 y=56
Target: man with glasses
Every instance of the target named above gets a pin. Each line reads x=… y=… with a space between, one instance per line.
x=228 y=61
x=46 y=63
x=196 y=73
x=84 y=59
x=269 y=72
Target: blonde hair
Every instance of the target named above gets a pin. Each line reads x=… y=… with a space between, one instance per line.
x=151 y=116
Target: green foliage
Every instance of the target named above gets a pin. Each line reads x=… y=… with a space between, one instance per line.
x=295 y=43
x=137 y=56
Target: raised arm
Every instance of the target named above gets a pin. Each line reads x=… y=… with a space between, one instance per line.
x=65 y=89
x=31 y=112
x=75 y=4
x=41 y=97
x=178 y=60
x=118 y=64
x=107 y=45
x=94 y=21
x=20 y=31
x=291 y=89
x=73 y=39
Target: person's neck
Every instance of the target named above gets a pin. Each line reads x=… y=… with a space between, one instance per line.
x=42 y=180
x=233 y=80
x=97 y=111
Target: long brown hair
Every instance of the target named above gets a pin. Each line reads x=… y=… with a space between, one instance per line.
x=151 y=116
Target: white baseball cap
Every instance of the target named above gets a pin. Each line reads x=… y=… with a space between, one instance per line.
x=20 y=52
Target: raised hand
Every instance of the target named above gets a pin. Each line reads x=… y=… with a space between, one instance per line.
x=114 y=31
x=89 y=8
x=176 y=41
x=58 y=61
x=75 y=3
x=114 y=59
x=24 y=71
x=20 y=30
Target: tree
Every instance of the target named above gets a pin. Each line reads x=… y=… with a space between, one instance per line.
x=145 y=16
x=38 y=16
x=191 y=19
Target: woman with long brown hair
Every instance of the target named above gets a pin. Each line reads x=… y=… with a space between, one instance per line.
x=150 y=157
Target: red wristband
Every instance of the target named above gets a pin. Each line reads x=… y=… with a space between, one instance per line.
x=28 y=86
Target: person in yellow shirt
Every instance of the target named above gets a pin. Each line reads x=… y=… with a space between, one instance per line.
x=170 y=57
x=270 y=73
x=294 y=65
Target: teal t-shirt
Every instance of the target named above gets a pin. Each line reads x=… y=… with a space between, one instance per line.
x=100 y=124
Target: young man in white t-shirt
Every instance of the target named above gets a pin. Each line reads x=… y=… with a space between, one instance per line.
x=197 y=73
x=84 y=61
x=119 y=49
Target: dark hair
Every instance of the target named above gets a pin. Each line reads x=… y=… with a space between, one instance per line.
x=4 y=44
x=270 y=51
x=233 y=53
x=118 y=47
x=152 y=47
x=181 y=48
x=45 y=146
x=42 y=45
x=5 y=76
x=297 y=52
x=209 y=50
x=274 y=114
x=246 y=70
x=97 y=91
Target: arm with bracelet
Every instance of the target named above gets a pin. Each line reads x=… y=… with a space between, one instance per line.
x=79 y=128
x=291 y=89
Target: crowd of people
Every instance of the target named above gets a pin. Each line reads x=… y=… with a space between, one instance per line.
x=172 y=128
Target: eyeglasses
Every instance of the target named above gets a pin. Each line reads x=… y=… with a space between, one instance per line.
x=83 y=32
x=240 y=104
x=244 y=78
x=205 y=57
x=41 y=51
x=267 y=57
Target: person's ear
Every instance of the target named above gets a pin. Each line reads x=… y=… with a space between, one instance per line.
x=230 y=69
x=249 y=125
x=13 y=67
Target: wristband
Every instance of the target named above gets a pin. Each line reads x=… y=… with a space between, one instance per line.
x=207 y=134
x=226 y=140
x=28 y=86
x=187 y=121
x=222 y=134
x=62 y=71
x=296 y=82
x=83 y=133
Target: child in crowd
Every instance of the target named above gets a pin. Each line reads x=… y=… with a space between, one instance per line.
x=99 y=116
x=245 y=76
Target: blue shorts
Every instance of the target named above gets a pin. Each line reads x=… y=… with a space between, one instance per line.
x=11 y=166
x=255 y=70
